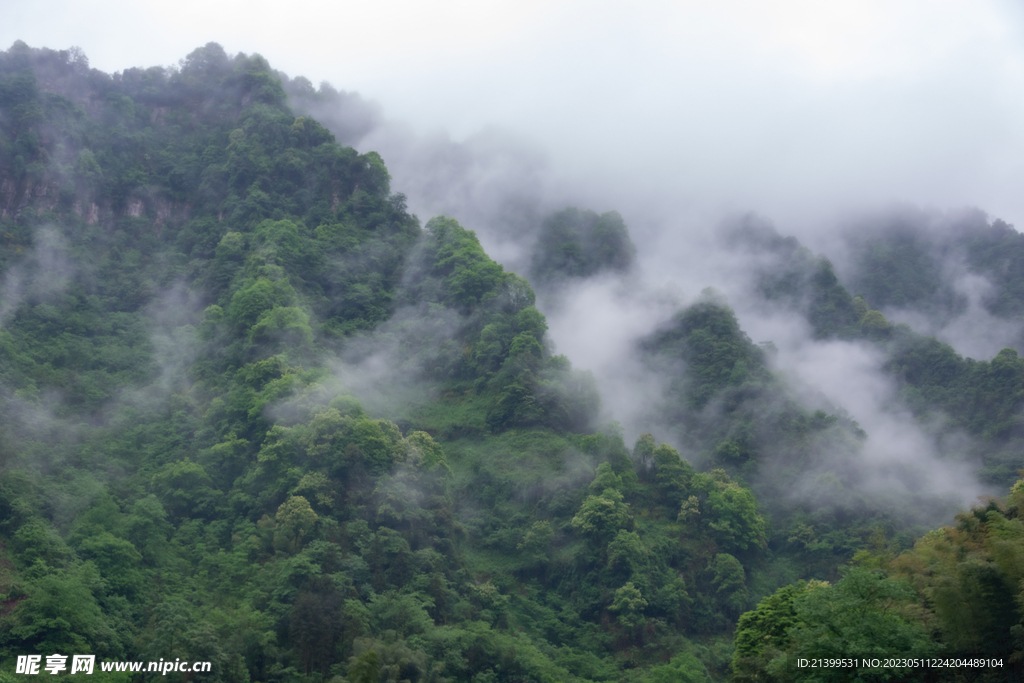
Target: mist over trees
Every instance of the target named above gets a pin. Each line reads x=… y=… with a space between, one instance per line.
x=257 y=413
x=575 y=244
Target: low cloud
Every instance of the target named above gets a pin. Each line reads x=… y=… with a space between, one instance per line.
x=38 y=275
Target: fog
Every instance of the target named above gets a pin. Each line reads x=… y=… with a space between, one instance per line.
x=38 y=275
x=974 y=333
x=678 y=115
x=792 y=108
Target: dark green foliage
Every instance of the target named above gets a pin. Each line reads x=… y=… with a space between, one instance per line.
x=206 y=279
x=795 y=277
x=900 y=268
x=574 y=243
x=60 y=613
x=908 y=258
x=984 y=398
x=192 y=252
x=498 y=346
x=684 y=668
x=733 y=412
x=718 y=355
x=729 y=583
x=980 y=398
x=997 y=252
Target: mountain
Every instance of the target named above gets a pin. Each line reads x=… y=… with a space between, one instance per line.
x=257 y=414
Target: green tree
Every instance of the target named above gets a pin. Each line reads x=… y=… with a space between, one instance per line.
x=295 y=521
x=365 y=668
x=185 y=489
x=627 y=555
x=730 y=513
x=315 y=625
x=117 y=560
x=865 y=611
x=730 y=583
x=469 y=275
x=601 y=517
x=683 y=668
x=575 y=243
x=629 y=604
x=672 y=475
x=60 y=613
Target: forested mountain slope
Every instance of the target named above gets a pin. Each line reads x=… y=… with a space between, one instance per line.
x=950 y=393
x=255 y=413
x=912 y=259
x=188 y=269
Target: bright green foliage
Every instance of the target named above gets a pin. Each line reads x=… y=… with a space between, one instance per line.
x=184 y=488
x=957 y=593
x=469 y=275
x=970 y=576
x=859 y=613
x=731 y=511
x=295 y=520
x=403 y=614
x=499 y=347
x=60 y=613
x=601 y=517
x=764 y=633
x=684 y=668
x=606 y=478
x=874 y=322
x=673 y=475
x=185 y=471
x=537 y=540
x=423 y=452
x=116 y=559
x=629 y=604
x=214 y=260
x=863 y=612
x=365 y=668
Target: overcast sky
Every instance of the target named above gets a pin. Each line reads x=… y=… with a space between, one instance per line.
x=794 y=108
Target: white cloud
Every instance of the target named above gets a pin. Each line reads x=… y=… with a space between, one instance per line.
x=674 y=113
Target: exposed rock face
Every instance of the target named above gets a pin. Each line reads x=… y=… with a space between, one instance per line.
x=7 y=190
x=16 y=196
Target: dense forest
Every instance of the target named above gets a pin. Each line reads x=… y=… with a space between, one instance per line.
x=256 y=413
